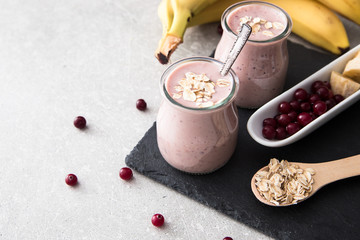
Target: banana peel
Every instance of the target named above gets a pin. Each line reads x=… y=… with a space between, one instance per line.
x=167 y=46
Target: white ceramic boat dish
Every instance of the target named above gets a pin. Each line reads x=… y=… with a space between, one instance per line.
x=254 y=125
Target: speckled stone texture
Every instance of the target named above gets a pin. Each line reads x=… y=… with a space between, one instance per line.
x=61 y=59
x=327 y=215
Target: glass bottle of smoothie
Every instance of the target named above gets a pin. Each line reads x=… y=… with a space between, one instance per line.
x=262 y=65
x=197 y=123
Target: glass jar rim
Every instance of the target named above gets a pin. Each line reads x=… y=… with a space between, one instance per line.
x=282 y=35
x=173 y=66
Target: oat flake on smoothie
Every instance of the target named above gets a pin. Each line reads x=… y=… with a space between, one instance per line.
x=260 y=25
x=198 y=88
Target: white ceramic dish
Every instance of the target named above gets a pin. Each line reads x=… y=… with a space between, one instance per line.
x=254 y=125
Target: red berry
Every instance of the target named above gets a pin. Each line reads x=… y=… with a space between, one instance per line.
x=269 y=132
x=281 y=133
x=71 y=179
x=292 y=115
x=292 y=128
x=227 y=238
x=80 y=122
x=323 y=93
x=304 y=118
x=314 y=98
x=284 y=119
x=157 y=220
x=316 y=85
x=125 y=173
x=270 y=121
x=295 y=105
x=330 y=103
x=141 y=104
x=284 y=107
x=301 y=94
x=319 y=108
x=305 y=106
x=338 y=98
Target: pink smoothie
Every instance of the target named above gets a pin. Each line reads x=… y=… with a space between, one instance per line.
x=262 y=65
x=191 y=138
x=213 y=88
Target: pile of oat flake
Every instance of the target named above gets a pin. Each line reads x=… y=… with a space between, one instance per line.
x=284 y=183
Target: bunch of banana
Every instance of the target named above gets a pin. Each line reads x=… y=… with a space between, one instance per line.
x=312 y=20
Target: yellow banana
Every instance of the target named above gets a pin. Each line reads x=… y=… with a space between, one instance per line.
x=316 y=23
x=212 y=13
x=348 y=8
x=183 y=11
x=166 y=14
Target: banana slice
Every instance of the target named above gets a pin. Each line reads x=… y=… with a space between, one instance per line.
x=343 y=85
x=352 y=68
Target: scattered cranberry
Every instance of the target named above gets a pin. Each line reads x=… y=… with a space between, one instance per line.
x=301 y=94
x=80 y=122
x=125 y=173
x=220 y=29
x=157 y=220
x=227 y=238
x=141 y=104
x=71 y=179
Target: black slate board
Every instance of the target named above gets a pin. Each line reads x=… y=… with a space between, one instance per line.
x=333 y=213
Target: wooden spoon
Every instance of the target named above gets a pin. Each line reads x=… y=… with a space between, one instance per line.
x=325 y=173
